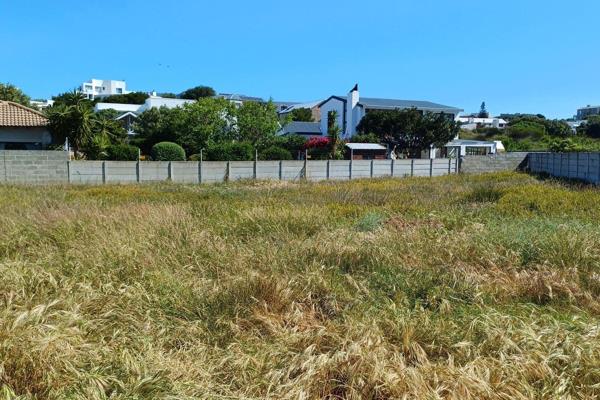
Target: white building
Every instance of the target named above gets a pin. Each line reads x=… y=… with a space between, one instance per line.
x=352 y=108
x=102 y=88
x=472 y=123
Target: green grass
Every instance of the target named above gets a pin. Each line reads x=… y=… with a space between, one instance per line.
x=458 y=287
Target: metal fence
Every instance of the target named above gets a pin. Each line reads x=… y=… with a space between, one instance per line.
x=98 y=172
x=583 y=166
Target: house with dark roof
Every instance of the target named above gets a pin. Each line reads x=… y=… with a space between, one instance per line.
x=352 y=108
x=22 y=128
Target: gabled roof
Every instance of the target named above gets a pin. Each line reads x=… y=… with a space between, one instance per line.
x=13 y=114
x=296 y=106
x=239 y=97
x=128 y=113
x=391 y=104
x=376 y=103
x=307 y=128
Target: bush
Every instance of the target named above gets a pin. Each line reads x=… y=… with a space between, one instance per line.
x=122 y=152
x=563 y=146
x=524 y=129
x=167 y=151
x=230 y=151
x=365 y=138
x=275 y=153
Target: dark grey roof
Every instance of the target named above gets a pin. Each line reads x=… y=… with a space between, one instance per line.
x=390 y=104
x=306 y=128
x=371 y=102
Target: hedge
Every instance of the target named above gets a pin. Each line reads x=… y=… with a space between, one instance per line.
x=233 y=151
x=122 y=152
x=167 y=151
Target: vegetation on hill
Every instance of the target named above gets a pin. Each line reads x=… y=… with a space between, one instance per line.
x=535 y=132
x=455 y=287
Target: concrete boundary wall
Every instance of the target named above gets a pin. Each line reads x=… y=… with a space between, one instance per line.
x=98 y=172
x=33 y=166
x=54 y=167
x=583 y=166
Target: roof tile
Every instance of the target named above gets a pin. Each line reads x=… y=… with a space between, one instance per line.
x=13 y=114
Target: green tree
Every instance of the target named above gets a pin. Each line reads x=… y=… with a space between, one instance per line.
x=12 y=93
x=333 y=133
x=592 y=127
x=411 y=130
x=364 y=138
x=168 y=95
x=129 y=98
x=257 y=123
x=197 y=92
x=88 y=133
x=483 y=112
x=302 y=114
x=208 y=120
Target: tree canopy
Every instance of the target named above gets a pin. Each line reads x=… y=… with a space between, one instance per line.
x=483 y=112
x=410 y=130
x=88 y=133
x=197 y=92
x=9 y=92
x=129 y=98
x=257 y=123
x=302 y=114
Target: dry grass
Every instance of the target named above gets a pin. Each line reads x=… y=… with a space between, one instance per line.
x=461 y=287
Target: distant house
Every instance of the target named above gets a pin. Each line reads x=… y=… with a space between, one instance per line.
x=102 y=88
x=352 y=108
x=239 y=99
x=151 y=102
x=587 y=111
x=312 y=106
x=471 y=123
x=22 y=128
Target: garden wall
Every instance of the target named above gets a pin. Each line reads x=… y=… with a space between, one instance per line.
x=512 y=161
x=96 y=172
x=33 y=166
x=583 y=166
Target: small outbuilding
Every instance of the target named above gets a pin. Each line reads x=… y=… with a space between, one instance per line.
x=470 y=148
x=366 y=151
x=22 y=128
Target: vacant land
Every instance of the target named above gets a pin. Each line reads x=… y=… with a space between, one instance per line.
x=456 y=287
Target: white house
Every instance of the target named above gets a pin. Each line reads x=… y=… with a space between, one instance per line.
x=472 y=123
x=22 y=128
x=102 y=88
x=352 y=108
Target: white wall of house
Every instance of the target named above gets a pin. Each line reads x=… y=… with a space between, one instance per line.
x=32 y=136
x=157 y=102
x=333 y=104
x=118 y=107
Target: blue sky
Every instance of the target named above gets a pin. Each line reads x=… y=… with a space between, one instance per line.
x=519 y=56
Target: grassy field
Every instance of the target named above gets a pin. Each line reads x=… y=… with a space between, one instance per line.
x=458 y=287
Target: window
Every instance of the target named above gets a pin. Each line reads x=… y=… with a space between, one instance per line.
x=119 y=91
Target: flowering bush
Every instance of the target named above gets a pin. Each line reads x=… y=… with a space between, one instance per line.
x=317 y=143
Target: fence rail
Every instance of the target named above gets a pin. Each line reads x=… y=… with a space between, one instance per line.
x=583 y=166
x=97 y=172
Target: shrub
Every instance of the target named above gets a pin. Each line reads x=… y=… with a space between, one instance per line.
x=293 y=143
x=230 y=151
x=167 y=151
x=524 y=129
x=365 y=138
x=275 y=153
x=563 y=146
x=122 y=152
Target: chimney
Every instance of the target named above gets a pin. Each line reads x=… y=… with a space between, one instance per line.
x=351 y=103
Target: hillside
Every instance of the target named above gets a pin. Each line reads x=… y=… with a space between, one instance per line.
x=458 y=287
